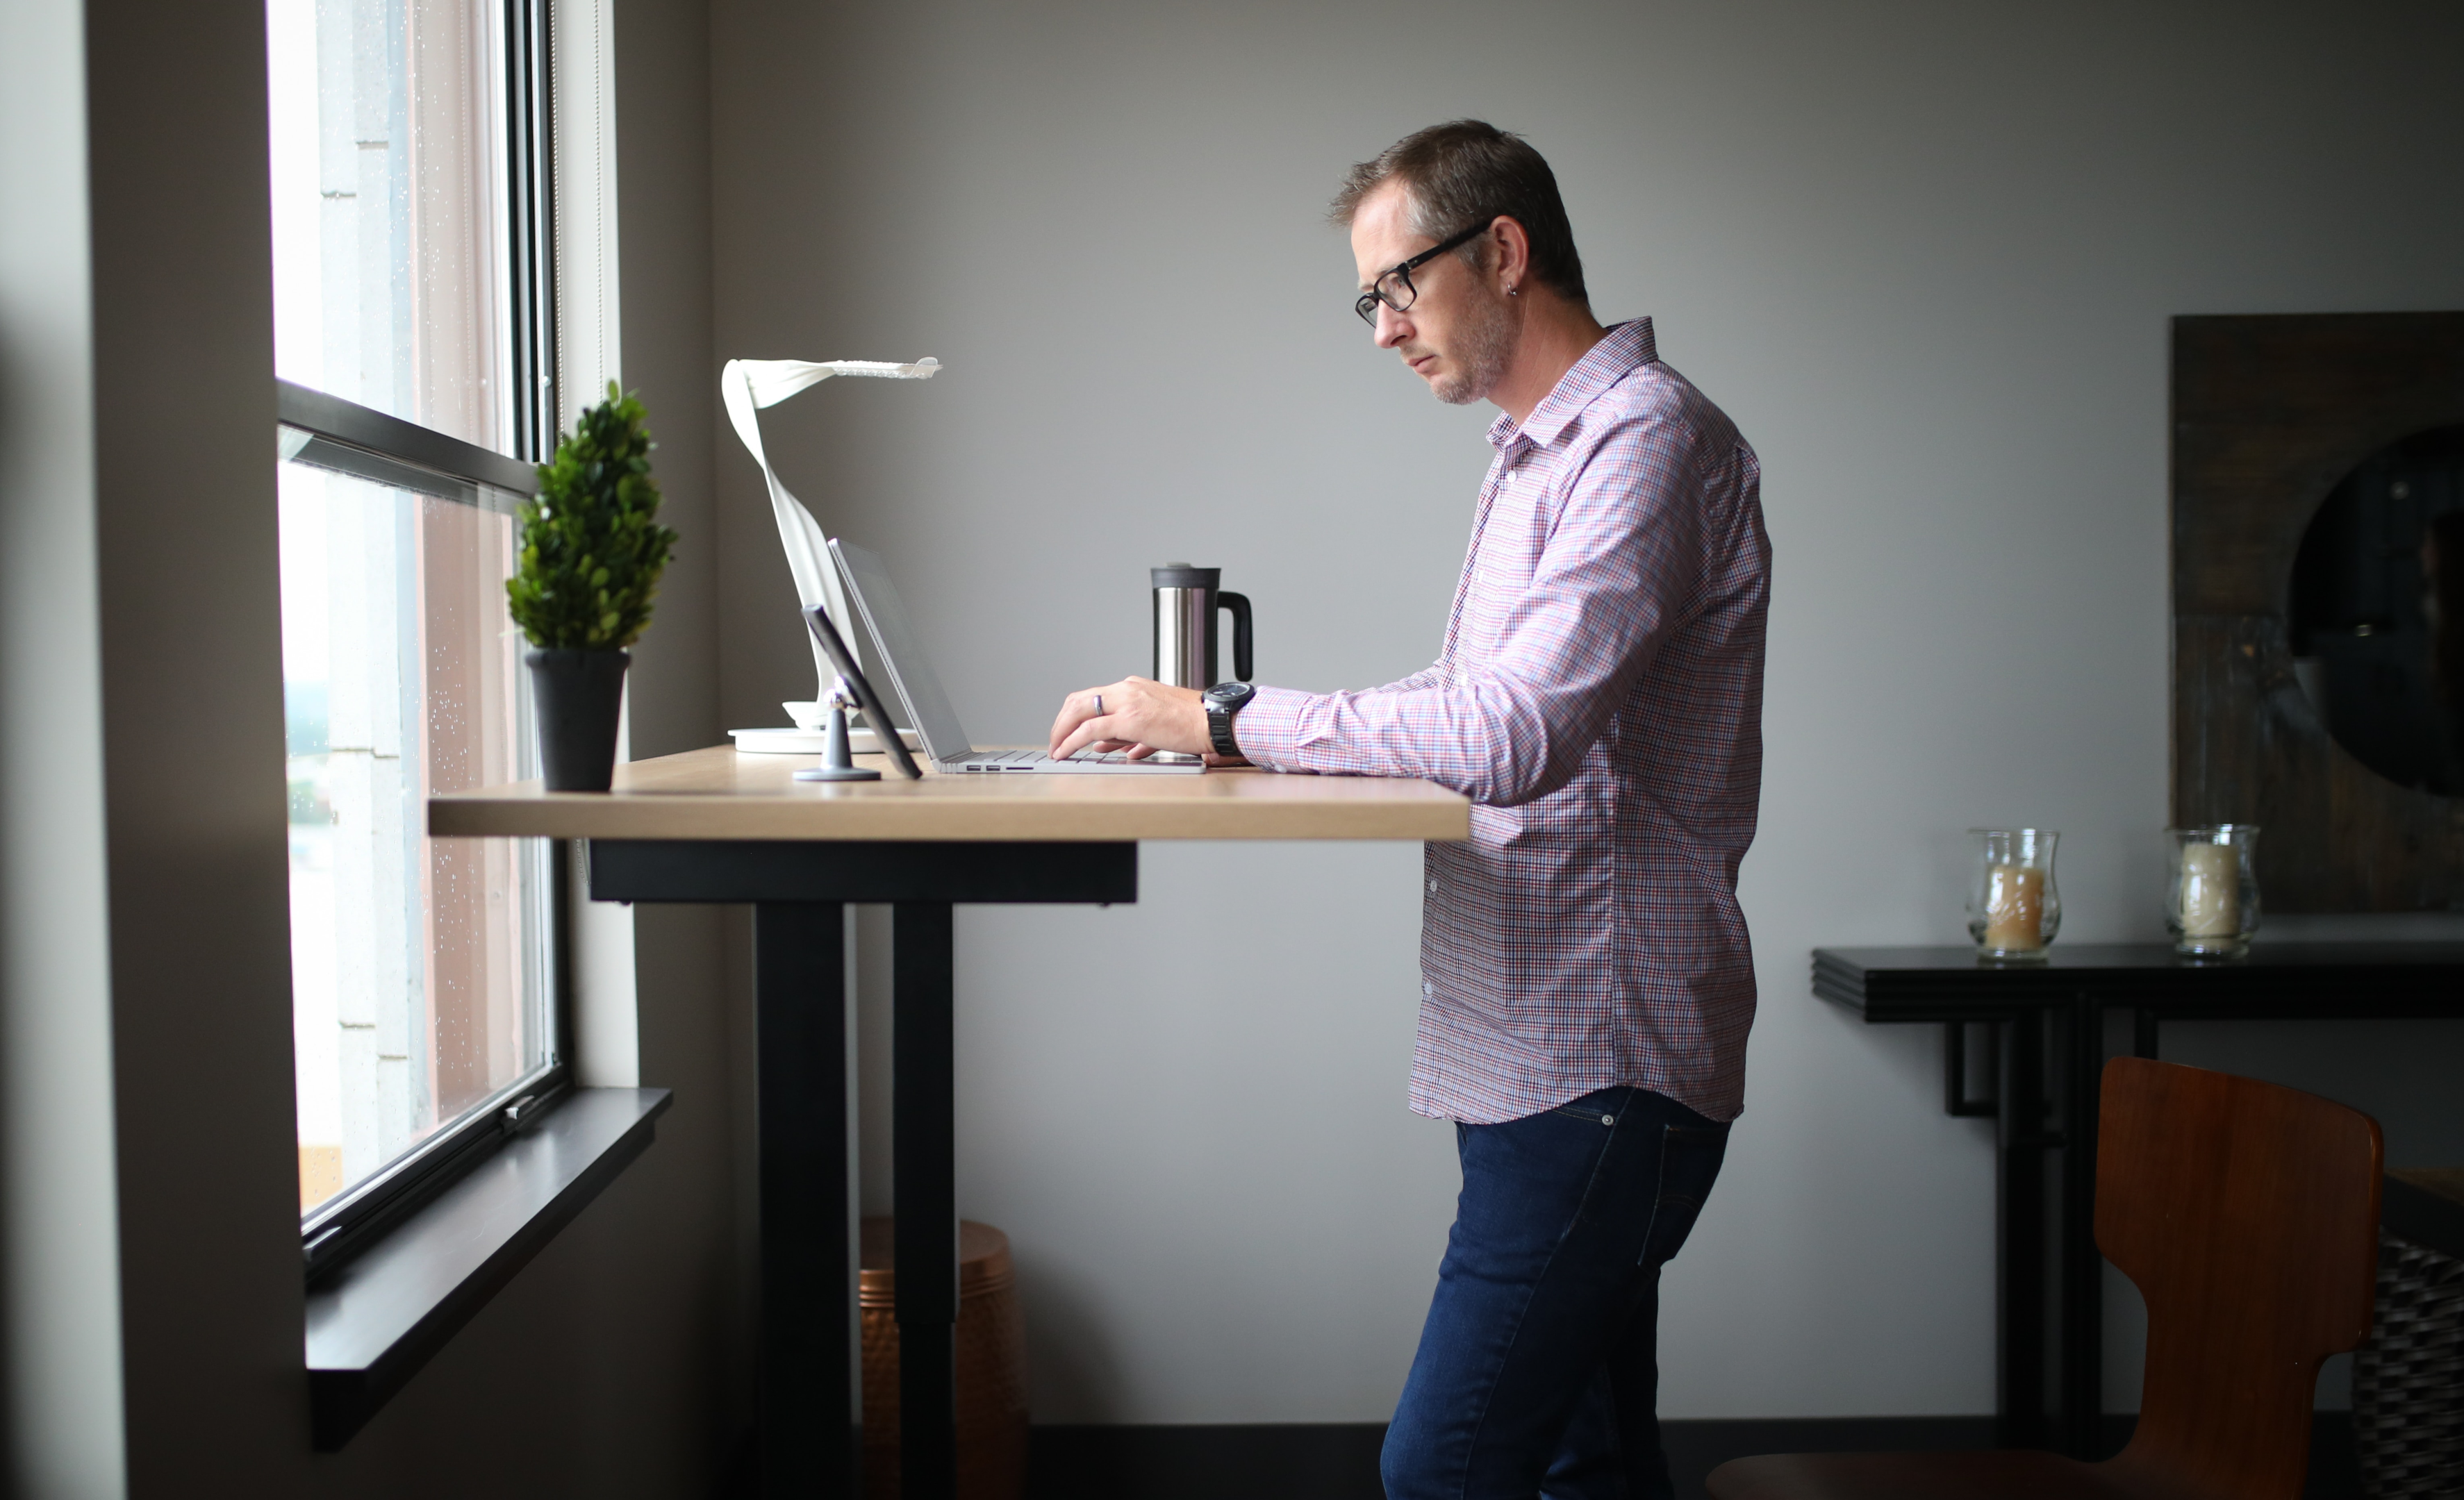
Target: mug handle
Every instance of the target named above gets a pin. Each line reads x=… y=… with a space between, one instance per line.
x=1239 y=605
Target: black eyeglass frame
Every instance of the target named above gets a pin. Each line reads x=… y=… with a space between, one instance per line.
x=1367 y=304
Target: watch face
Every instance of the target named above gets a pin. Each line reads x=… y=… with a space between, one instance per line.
x=1230 y=694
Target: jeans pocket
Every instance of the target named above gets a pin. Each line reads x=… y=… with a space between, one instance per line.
x=1690 y=1163
x=1600 y=1107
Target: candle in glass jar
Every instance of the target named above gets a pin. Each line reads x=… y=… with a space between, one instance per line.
x=2211 y=890
x=2014 y=908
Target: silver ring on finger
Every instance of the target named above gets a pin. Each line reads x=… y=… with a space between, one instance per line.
x=1099 y=705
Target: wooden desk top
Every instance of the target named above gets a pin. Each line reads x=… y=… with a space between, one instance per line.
x=719 y=793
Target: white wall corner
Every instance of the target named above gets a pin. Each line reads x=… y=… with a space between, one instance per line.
x=590 y=348
x=606 y=1047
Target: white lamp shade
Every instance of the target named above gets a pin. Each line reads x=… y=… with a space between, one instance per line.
x=747 y=385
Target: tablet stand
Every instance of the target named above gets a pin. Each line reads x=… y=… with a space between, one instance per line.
x=837 y=761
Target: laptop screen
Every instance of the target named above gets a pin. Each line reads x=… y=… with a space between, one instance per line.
x=876 y=599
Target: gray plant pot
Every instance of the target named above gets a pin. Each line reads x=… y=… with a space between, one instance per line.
x=577 y=694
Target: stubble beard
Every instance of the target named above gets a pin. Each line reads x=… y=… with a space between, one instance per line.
x=1483 y=348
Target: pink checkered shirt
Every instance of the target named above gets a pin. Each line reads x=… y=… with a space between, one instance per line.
x=1599 y=700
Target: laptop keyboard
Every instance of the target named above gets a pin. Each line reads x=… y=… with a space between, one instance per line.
x=1025 y=759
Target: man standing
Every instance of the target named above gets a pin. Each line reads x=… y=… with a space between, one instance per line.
x=1587 y=983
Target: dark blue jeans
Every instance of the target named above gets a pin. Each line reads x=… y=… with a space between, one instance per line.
x=1538 y=1370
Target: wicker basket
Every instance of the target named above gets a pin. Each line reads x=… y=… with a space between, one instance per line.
x=2408 y=1379
x=991 y=1366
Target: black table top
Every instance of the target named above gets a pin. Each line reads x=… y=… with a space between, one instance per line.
x=2282 y=980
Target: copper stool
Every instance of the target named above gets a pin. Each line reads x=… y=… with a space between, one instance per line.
x=991 y=1366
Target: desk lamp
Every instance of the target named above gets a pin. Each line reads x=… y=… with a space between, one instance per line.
x=747 y=385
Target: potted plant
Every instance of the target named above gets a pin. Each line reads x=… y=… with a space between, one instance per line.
x=592 y=553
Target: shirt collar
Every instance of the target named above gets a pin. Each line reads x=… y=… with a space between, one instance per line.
x=1627 y=348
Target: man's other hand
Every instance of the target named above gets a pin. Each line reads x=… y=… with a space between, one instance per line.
x=1133 y=714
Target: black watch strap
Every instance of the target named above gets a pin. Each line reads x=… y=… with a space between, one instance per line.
x=1219 y=729
x=1218 y=722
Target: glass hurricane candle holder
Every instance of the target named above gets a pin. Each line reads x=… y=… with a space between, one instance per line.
x=2211 y=889
x=2013 y=908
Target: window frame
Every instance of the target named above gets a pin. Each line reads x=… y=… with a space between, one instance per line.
x=332 y=433
x=530 y=213
x=348 y=438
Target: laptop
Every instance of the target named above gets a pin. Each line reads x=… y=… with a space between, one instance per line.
x=927 y=706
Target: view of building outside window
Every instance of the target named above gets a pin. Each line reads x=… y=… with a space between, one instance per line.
x=420 y=968
x=392 y=247
x=419 y=965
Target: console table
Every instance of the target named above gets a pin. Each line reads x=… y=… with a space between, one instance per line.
x=2042 y=1052
x=714 y=826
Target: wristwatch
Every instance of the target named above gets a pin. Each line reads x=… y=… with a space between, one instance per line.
x=1222 y=700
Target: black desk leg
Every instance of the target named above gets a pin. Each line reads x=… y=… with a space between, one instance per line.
x=2082 y=1264
x=924 y=1169
x=808 y=1442
x=2020 y=1183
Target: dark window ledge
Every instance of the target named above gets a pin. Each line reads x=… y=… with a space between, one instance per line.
x=375 y=1321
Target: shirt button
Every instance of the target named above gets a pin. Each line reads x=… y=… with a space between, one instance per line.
x=1427 y=989
x=1433 y=887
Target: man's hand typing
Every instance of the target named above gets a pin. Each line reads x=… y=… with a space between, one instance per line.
x=1133 y=714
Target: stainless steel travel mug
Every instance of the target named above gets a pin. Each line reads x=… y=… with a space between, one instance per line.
x=1187 y=601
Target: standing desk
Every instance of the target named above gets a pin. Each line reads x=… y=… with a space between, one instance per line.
x=711 y=826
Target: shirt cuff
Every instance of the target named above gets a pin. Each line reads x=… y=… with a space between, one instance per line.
x=1268 y=729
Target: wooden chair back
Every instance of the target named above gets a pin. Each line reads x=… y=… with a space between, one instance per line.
x=2248 y=1215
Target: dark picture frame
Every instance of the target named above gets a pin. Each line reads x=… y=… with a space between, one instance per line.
x=2269 y=414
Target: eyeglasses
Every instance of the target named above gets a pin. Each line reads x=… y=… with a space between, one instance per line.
x=1394 y=287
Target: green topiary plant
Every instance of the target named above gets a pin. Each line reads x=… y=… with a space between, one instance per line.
x=592 y=547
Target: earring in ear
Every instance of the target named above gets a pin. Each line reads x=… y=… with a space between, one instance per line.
x=1514 y=292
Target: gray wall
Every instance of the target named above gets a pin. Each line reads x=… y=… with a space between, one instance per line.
x=59 y=1306
x=191 y=678
x=1923 y=253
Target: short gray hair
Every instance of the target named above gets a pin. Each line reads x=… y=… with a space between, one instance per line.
x=1463 y=172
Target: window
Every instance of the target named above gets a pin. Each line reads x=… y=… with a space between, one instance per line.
x=420 y=969
x=409 y=197
x=408 y=192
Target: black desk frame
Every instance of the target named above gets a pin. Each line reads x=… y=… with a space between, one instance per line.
x=798 y=891
x=2045 y=1051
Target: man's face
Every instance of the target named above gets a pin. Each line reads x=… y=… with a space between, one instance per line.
x=1459 y=334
